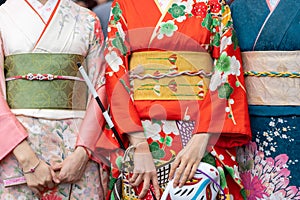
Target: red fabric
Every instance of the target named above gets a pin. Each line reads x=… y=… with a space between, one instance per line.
x=209 y=114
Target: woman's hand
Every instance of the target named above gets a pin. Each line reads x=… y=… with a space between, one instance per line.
x=188 y=159
x=39 y=175
x=73 y=167
x=144 y=170
x=42 y=179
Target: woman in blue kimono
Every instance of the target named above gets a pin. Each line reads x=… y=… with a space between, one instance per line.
x=267 y=33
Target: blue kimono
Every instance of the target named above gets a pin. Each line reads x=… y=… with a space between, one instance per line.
x=268 y=34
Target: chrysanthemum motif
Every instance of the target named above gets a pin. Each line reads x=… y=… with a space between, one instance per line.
x=265 y=177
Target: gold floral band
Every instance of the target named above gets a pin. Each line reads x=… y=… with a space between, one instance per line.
x=169 y=75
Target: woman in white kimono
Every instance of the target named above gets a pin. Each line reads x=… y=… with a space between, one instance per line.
x=43 y=100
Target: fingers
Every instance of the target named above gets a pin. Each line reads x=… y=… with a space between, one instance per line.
x=48 y=183
x=146 y=185
x=174 y=166
x=72 y=168
x=183 y=176
x=54 y=175
x=133 y=177
x=56 y=166
x=63 y=177
x=178 y=174
x=136 y=179
x=193 y=171
x=68 y=175
x=156 y=187
x=145 y=179
x=185 y=169
x=40 y=180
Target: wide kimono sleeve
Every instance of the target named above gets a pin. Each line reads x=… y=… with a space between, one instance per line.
x=91 y=127
x=225 y=108
x=125 y=117
x=11 y=130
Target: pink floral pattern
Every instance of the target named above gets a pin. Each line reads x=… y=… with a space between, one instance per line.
x=265 y=177
x=61 y=137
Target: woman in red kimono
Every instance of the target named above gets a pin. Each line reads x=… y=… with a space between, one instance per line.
x=176 y=89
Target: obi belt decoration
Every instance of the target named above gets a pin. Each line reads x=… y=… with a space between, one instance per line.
x=44 y=81
x=167 y=75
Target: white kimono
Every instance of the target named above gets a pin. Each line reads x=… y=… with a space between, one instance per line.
x=26 y=33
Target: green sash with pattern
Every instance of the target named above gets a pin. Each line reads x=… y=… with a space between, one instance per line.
x=44 y=81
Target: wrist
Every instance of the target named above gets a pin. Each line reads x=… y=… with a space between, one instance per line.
x=84 y=150
x=201 y=138
x=141 y=147
x=32 y=169
x=202 y=135
x=25 y=155
x=136 y=138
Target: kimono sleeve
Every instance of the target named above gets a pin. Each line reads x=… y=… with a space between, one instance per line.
x=11 y=131
x=91 y=127
x=126 y=118
x=225 y=106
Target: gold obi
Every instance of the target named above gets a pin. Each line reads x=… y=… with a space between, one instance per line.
x=272 y=77
x=44 y=81
x=168 y=75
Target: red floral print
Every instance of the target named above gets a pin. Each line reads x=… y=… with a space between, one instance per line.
x=215 y=6
x=51 y=197
x=199 y=9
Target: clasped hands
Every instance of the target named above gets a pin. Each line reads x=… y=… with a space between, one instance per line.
x=45 y=177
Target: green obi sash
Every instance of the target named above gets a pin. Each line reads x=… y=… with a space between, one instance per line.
x=44 y=81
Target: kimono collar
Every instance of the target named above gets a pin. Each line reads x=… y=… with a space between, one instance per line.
x=272 y=4
x=44 y=11
x=163 y=4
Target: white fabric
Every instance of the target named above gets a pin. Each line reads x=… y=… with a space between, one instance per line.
x=31 y=35
x=49 y=113
x=163 y=4
x=44 y=11
x=272 y=90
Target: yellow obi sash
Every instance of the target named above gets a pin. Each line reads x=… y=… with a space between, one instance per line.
x=44 y=81
x=272 y=77
x=168 y=75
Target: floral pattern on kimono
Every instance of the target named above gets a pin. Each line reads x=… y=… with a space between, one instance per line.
x=213 y=34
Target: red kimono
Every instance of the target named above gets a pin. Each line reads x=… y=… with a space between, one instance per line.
x=175 y=72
